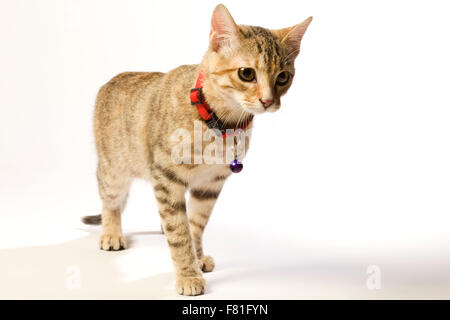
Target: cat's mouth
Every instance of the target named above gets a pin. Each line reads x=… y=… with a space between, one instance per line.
x=258 y=109
x=254 y=109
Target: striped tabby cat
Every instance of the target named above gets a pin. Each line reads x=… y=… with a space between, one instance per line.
x=244 y=72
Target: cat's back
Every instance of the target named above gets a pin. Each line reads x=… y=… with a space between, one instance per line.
x=114 y=99
x=135 y=110
x=127 y=80
x=117 y=115
x=116 y=92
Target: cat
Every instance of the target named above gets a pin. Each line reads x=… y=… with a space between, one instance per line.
x=244 y=72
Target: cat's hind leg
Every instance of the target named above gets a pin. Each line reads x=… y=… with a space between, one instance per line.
x=113 y=189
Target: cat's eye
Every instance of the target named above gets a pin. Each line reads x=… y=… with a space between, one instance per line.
x=283 y=78
x=247 y=74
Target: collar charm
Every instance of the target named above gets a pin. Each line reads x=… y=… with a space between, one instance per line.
x=236 y=166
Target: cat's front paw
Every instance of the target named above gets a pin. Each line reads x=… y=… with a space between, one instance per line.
x=206 y=263
x=113 y=242
x=191 y=286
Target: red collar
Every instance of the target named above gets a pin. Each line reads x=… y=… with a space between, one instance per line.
x=211 y=119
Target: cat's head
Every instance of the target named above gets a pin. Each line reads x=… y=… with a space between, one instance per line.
x=251 y=67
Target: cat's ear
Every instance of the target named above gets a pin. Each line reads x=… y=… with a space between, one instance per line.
x=292 y=37
x=224 y=31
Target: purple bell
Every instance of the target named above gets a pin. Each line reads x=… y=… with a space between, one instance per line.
x=236 y=166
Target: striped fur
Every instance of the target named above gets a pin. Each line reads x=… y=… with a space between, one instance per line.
x=136 y=112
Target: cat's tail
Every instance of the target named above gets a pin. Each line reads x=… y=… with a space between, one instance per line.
x=97 y=219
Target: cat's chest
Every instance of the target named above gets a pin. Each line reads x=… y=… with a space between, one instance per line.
x=216 y=158
x=205 y=174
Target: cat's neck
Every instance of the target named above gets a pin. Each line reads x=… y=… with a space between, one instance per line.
x=230 y=113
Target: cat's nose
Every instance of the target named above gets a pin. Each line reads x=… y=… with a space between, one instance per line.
x=266 y=102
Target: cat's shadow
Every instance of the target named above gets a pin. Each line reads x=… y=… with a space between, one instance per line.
x=129 y=236
x=77 y=269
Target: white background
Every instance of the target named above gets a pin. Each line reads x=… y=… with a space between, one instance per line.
x=353 y=171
